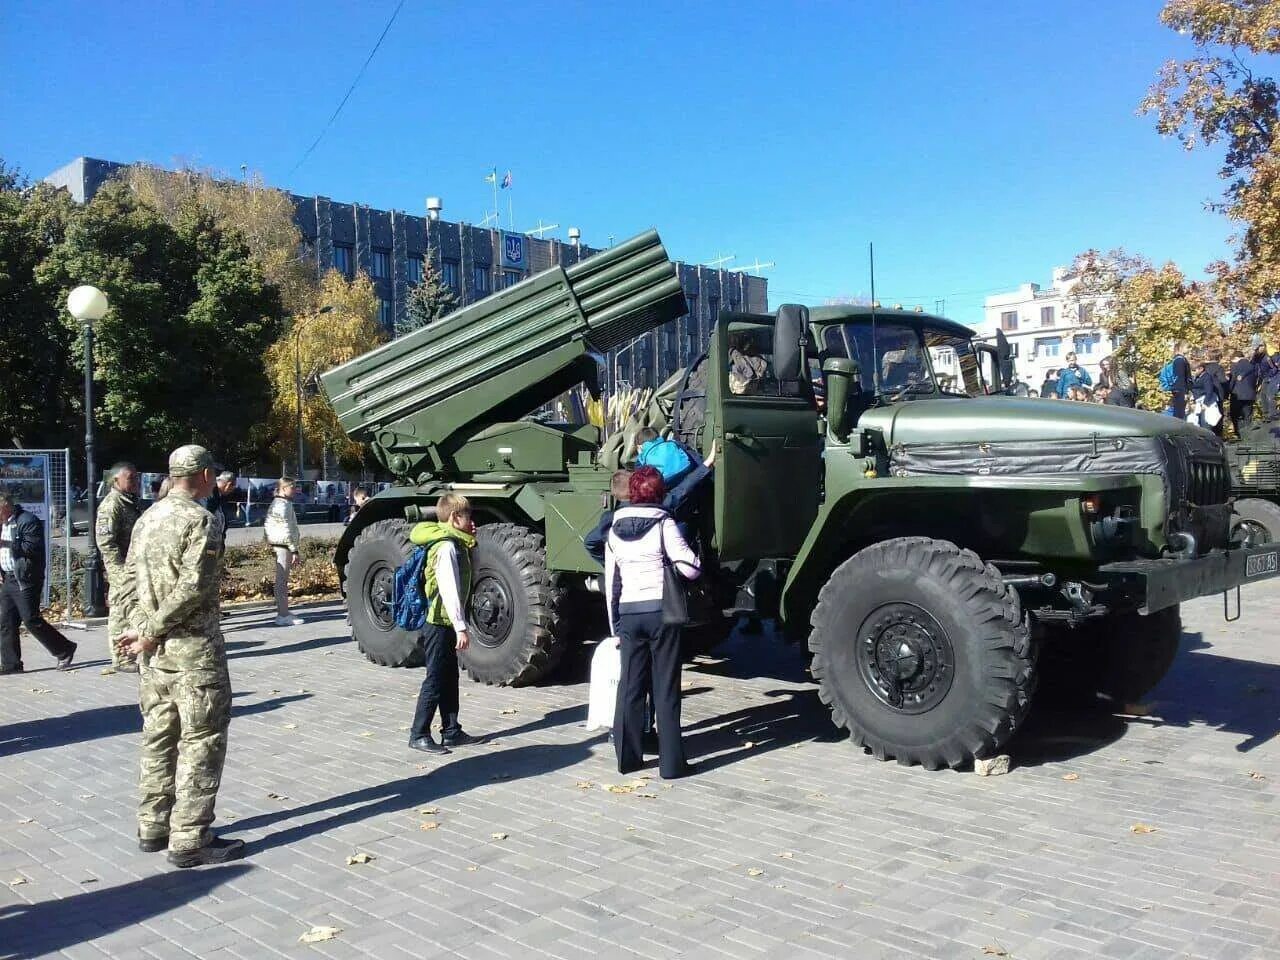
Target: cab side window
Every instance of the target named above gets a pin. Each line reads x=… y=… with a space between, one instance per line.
x=750 y=364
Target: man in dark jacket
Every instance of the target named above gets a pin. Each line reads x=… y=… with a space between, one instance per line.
x=1181 y=382
x=1049 y=389
x=1267 y=374
x=21 y=583
x=1243 y=389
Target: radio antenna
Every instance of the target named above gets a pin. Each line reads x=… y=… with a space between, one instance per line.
x=875 y=351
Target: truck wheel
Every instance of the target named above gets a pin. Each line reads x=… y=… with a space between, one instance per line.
x=1137 y=652
x=516 y=622
x=1256 y=522
x=921 y=652
x=370 y=576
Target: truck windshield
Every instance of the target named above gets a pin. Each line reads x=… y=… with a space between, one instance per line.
x=915 y=360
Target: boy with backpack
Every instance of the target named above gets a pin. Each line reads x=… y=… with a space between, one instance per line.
x=446 y=587
x=1175 y=379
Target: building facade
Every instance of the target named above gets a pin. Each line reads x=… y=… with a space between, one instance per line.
x=392 y=247
x=1043 y=325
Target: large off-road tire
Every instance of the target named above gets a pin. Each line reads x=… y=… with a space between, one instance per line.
x=1256 y=522
x=370 y=578
x=921 y=652
x=517 y=626
x=1135 y=652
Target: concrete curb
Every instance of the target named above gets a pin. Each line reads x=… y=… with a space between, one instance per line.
x=243 y=606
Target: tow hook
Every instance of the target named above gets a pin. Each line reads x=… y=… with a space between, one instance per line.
x=1078 y=595
x=1188 y=549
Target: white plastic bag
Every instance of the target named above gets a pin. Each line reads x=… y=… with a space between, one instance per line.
x=606 y=671
x=1212 y=415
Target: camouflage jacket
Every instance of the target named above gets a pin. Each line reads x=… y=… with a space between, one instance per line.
x=116 y=518
x=171 y=580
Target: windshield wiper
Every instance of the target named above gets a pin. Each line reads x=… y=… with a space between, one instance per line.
x=921 y=387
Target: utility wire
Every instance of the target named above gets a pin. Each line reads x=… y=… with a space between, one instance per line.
x=385 y=30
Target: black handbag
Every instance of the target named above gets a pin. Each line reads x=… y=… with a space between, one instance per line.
x=675 y=602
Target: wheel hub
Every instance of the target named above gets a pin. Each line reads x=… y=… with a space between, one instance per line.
x=381 y=596
x=492 y=611
x=905 y=658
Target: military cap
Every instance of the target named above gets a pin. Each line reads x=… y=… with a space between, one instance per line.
x=189 y=460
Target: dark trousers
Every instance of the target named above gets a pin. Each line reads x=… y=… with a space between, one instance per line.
x=1269 y=389
x=650 y=665
x=1241 y=413
x=440 y=685
x=20 y=603
x=1178 y=405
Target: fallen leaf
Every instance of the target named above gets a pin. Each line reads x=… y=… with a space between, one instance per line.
x=275 y=691
x=990 y=950
x=497 y=836
x=1142 y=828
x=108 y=671
x=358 y=858
x=508 y=712
x=619 y=788
x=755 y=872
x=18 y=881
x=631 y=829
x=367 y=733
x=749 y=744
x=646 y=795
x=26 y=820
x=786 y=855
x=472 y=869
x=584 y=784
x=428 y=811
x=765 y=780
x=1136 y=710
x=817 y=796
x=89 y=880
x=276 y=796
x=302 y=689
x=1072 y=777
x=319 y=934
x=403 y=729
x=429 y=825
x=291 y=726
x=41 y=690
x=1255 y=775
x=86 y=796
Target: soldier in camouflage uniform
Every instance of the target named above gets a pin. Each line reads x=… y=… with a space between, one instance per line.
x=117 y=514
x=170 y=597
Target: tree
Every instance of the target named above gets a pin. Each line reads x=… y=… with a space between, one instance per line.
x=262 y=215
x=428 y=302
x=38 y=384
x=1220 y=97
x=323 y=341
x=179 y=357
x=1147 y=309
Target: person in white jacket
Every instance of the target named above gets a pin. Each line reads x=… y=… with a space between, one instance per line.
x=281 y=529
x=641 y=541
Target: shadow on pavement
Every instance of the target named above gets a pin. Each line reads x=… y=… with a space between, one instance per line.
x=266 y=649
x=791 y=717
x=36 y=929
x=100 y=723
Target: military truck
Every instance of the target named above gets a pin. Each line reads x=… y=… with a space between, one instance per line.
x=933 y=541
x=1254 y=459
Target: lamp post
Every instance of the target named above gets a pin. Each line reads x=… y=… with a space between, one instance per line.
x=88 y=305
x=297 y=375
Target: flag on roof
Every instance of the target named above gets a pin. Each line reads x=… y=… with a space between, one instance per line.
x=506 y=181
x=491 y=176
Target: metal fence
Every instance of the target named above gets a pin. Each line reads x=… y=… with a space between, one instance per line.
x=60 y=522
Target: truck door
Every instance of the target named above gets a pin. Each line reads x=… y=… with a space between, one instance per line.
x=769 y=472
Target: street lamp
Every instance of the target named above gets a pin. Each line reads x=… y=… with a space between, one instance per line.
x=88 y=305
x=297 y=374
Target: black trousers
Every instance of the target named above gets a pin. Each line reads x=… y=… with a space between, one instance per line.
x=650 y=666
x=1178 y=405
x=1241 y=413
x=440 y=685
x=20 y=603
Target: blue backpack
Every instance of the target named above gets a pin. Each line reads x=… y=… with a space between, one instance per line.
x=409 y=605
x=667 y=456
x=1167 y=377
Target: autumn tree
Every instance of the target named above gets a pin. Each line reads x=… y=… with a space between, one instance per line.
x=1223 y=96
x=427 y=302
x=1146 y=309
x=317 y=342
x=261 y=215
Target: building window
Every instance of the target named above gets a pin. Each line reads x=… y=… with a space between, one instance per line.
x=510 y=278
x=713 y=305
x=449 y=274
x=1049 y=347
x=480 y=280
x=1087 y=343
x=1046 y=316
x=413 y=270
x=382 y=264
x=692 y=300
x=344 y=259
x=1009 y=320
x=386 y=314
x=1086 y=314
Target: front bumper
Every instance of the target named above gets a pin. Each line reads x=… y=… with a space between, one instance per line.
x=1158 y=584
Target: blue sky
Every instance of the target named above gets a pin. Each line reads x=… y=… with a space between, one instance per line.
x=978 y=144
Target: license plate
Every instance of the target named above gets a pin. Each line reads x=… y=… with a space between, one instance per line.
x=1262 y=564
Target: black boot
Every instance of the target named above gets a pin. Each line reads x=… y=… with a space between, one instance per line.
x=153 y=844
x=427 y=744
x=217 y=850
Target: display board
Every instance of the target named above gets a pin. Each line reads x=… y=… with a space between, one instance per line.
x=26 y=477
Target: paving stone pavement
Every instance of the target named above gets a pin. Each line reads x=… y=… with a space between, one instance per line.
x=789 y=843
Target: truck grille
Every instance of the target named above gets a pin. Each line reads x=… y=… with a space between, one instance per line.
x=1208 y=483
x=1259 y=471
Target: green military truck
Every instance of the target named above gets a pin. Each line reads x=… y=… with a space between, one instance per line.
x=936 y=542
x=1254 y=460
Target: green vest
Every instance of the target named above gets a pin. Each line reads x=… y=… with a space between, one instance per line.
x=433 y=535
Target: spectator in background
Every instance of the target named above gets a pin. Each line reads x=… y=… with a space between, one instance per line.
x=1105 y=381
x=1181 y=381
x=156 y=484
x=164 y=488
x=1206 y=396
x=221 y=502
x=1242 y=388
x=1049 y=388
x=1268 y=376
x=358 y=499
x=22 y=561
x=281 y=531
x=1123 y=392
x=1079 y=394
x=1100 y=394
x=1072 y=376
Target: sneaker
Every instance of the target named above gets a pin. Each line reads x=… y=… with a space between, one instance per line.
x=5 y=671
x=64 y=663
x=459 y=739
x=153 y=844
x=217 y=850
x=427 y=744
x=288 y=620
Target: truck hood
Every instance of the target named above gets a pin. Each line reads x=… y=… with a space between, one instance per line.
x=998 y=419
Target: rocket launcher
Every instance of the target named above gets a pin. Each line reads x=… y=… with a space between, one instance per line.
x=421 y=401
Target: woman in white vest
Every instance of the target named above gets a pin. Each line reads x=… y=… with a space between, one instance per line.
x=281 y=528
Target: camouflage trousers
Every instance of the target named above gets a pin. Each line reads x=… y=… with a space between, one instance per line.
x=115 y=619
x=184 y=744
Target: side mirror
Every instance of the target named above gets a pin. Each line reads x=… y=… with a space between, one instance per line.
x=841 y=374
x=790 y=334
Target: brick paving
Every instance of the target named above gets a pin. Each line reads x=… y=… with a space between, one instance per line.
x=788 y=844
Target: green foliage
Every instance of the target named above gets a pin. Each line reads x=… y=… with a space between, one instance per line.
x=428 y=302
